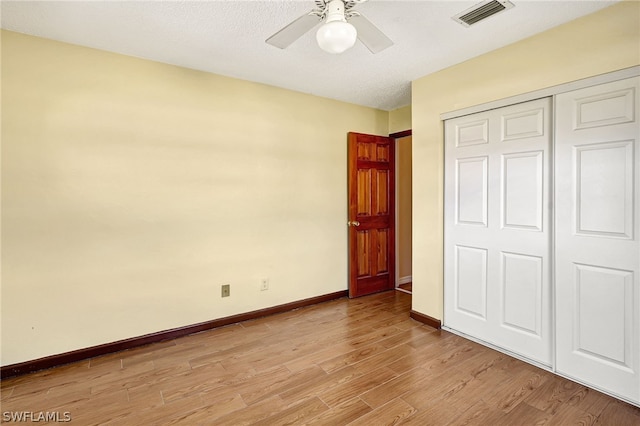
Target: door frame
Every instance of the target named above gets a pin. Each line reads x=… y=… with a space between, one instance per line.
x=396 y=136
x=544 y=93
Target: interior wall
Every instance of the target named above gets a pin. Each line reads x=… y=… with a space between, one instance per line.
x=400 y=119
x=602 y=42
x=403 y=193
x=132 y=190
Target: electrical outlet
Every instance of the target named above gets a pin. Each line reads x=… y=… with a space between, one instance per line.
x=264 y=284
x=226 y=290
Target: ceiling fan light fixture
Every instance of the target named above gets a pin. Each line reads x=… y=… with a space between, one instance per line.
x=341 y=27
x=336 y=36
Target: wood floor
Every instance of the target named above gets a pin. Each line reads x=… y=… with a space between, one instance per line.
x=356 y=362
x=406 y=286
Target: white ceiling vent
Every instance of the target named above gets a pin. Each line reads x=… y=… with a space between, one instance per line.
x=482 y=11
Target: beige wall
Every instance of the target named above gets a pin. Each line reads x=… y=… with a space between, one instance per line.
x=400 y=119
x=403 y=193
x=599 y=43
x=131 y=190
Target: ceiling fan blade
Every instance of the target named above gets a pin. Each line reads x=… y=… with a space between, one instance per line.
x=369 y=34
x=294 y=30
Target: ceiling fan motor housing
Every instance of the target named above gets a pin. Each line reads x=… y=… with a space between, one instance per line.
x=335 y=11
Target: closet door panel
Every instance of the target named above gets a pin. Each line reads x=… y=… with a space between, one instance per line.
x=604 y=189
x=497 y=269
x=597 y=249
x=471 y=281
x=523 y=190
x=471 y=191
x=522 y=279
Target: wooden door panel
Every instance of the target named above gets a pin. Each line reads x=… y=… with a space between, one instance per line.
x=382 y=264
x=366 y=151
x=382 y=192
x=371 y=214
x=372 y=151
x=382 y=153
x=370 y=285
x=363 y=249
x=364 y=193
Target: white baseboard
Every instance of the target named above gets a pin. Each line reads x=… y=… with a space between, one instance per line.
x=404 y=280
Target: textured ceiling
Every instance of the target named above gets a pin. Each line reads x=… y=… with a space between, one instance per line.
x=227 y=38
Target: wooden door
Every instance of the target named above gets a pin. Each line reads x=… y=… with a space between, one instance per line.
x=371 y=214
x=597 y=236
x=497 y=230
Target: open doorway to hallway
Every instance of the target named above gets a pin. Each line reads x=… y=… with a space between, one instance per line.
x=403 y=210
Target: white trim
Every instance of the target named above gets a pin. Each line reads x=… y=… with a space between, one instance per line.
x=399 y=280
x=543 y=93
x=397 y=205
x=404 y=280
x=552 y=234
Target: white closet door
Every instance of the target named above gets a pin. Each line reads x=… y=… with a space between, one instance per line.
x=497 y=268
x=597 y=249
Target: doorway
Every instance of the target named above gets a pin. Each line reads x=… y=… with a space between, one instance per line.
x=403 y=210
x=375 y=248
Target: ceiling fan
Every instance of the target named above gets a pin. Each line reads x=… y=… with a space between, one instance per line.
x=342 y=25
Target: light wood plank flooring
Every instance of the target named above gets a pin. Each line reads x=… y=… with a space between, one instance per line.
x=406 y=287
x=355 y=362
